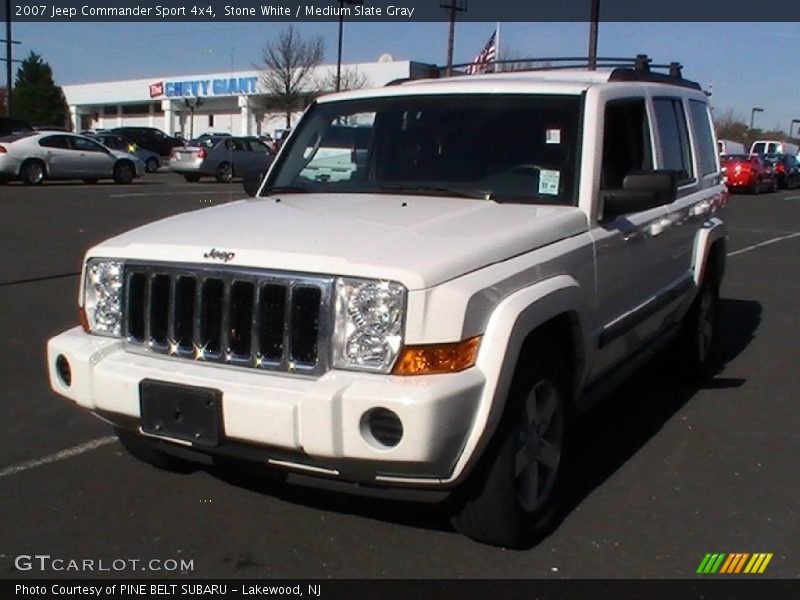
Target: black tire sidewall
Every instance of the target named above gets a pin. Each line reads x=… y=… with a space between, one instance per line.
x=26 y=179
x=124 y=172
x=224 y=172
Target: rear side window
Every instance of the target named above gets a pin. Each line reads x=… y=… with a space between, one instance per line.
x=55 y=141
x=676 y=152
x=706 y=157
x=626 y=141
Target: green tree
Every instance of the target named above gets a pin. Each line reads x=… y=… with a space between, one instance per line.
x=36 y=98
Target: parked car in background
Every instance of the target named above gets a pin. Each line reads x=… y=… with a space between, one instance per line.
x=774 y=147
x=151 y=160
x=220 y=157
x=9 y=126
x=33 y=157
x=787 y=169
x=150 y=138
x=729 y=147
x=748 y=172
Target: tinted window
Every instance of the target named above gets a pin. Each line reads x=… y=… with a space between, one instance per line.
x=85 y=145
x=258 y=146
x=55 y=141
x=706 y=157
x=675 y=149
x=626 y=142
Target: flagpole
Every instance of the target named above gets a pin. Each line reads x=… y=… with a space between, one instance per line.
x=497 y=46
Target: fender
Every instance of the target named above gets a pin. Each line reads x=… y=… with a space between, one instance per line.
x=712 y=231
x=510 y=323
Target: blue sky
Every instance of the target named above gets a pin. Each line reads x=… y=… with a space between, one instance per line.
x=749 y=64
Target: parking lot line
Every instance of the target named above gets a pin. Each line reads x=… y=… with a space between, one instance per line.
x=58 y=456
x=762 y=244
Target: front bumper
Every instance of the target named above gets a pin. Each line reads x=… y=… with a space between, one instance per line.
x=311 y=425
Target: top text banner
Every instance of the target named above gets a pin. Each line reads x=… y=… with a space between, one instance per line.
x=400 y=10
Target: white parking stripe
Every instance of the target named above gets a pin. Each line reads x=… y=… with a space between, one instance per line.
x=762 y=244
x=58 y=456
x=792 y=198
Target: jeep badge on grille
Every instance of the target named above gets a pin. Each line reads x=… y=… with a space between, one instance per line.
x=219 y=254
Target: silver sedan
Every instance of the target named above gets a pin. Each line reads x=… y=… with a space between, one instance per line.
x=34 y=157
x=221 y=157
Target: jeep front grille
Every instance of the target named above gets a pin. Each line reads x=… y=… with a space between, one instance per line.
x=260 y=319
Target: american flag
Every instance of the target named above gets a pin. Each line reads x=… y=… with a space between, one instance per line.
x=480 y=63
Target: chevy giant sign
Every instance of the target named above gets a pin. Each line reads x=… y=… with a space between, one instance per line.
x=204 y=87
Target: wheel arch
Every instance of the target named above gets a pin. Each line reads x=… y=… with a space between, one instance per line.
x=710 y=250
x=31 y=159
x=548 y=310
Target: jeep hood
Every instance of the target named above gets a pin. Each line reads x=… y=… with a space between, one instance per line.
x=419 y=241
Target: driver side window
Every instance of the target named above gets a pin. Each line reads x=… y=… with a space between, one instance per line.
x=627 y=145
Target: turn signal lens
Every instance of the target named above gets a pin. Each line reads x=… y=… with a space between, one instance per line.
x=84 y=321
x=437 y=358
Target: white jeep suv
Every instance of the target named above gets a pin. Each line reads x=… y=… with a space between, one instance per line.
x=503 y=249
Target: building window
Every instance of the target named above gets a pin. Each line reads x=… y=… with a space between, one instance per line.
x=210 y=120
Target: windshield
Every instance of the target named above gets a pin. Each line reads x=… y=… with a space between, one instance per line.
x=514 y=148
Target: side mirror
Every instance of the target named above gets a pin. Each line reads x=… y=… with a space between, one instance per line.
x=251 y=182
x=640 y=191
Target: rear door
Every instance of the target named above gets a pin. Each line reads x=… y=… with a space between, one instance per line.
x=687 y=145
x=58 y=156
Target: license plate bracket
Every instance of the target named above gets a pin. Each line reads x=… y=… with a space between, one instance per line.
x=182 y=412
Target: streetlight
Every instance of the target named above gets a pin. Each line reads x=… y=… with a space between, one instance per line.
x=341 y=33
x=753 y=115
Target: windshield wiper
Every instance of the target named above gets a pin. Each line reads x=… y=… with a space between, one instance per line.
x=435 y=190
x=286 y=189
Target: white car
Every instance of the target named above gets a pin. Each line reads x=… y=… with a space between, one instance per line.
x=35 y=157
x=430 y=324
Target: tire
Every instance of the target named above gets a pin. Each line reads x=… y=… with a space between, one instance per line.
x=152 y=164
x=755 y=189
x=192 y=178
x=124 y=172
x=32 y=172
x=90 y=181
x=695 y=346
x=513 y=496
x=141 y=450
x=224 y=172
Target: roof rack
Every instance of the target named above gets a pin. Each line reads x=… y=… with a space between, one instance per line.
x=638 y=68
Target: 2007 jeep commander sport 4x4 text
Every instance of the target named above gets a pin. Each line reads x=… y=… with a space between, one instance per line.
x=423 y=310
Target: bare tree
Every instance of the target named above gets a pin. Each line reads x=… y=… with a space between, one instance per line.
x=519 y=63
x=286 y=70
x=351 y=79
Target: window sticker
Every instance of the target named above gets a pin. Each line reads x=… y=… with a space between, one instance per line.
x=548 y=182
x=553 y=136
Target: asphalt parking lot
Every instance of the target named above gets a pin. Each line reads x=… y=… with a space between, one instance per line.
x=669 y=471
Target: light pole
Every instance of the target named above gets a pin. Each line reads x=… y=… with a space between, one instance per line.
x=594 y=23
x=341 y=34
x=192 y=105
x=9 y=70
x=753 y=112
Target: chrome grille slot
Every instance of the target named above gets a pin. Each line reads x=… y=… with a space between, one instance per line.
x=244 y=317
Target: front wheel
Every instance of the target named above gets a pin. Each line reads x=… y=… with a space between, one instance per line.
x=124 y=172
x=192 y=178
x=513 y=496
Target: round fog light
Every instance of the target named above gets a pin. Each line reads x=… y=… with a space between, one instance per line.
x=381 y=426
x=63 y=370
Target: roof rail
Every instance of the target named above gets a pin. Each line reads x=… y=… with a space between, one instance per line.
x=638 y=68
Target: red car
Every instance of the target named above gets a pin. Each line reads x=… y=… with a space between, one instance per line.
x=748 y=172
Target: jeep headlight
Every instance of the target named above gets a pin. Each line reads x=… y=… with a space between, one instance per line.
x=369 y=324
x=102 y=296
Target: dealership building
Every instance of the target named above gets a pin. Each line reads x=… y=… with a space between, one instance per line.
x=234 y=102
